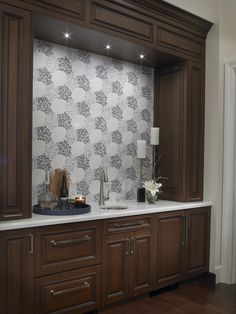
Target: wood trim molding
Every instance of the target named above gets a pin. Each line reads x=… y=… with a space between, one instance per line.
x=228 y=274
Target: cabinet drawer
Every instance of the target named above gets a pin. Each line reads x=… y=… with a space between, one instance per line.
x=66 y=247
x=180 y=41
x=73 y=8
x=70 y=292
x=126 y=224
x=122 y=20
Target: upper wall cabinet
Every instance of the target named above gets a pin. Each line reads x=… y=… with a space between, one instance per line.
x=111 y=15
x=180 y=115
x=15 y=116
x=74 y=8
x=178 y=41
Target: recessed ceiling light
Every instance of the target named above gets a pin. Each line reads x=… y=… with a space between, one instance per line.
x=141 y=56
x=66 y=35
x=108 y=47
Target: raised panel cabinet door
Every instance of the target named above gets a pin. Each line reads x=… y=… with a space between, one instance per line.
x=141 y=263
x=16 y=272
x=171 y=118
x=195 y=131
x=197 y=241
x=74 y=8
x=115 y=268
x=15 y=113
x=170 y=247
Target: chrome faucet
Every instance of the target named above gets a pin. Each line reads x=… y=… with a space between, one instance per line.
x=103 y=178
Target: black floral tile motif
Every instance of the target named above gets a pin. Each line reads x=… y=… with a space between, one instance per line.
x=64 y=120
x=83 y=109
x=101 y=71
x=117 y=88
x=65 y=65
x=64 y=92
x=38 y=189
x=116 y=161
x=43 y=134
x=98 y=173
x=147 y=163
x=116 y=137
x=132 y=78
x=131 y=126
x=83 y=136
x=83 y=82
x=83 y=56
x=146 y=136
x=131 y=195
x=43 y=104
x=44 y=47
x=132 y=102
x=83 y=188
x=146 y=92
x=118 y=64
x=43 y=162
x=63 y=148
x=44 y=76
x=117 y=112
x=100 y=149
x=82 y=162
x=101 y=98
x=100 y=124
x=116 y=186
x=131 y=173
x=146 y=115
x=132 y=150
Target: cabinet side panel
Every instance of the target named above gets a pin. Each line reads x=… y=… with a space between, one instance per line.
x=16 y=102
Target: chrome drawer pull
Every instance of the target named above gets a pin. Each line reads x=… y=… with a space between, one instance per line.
x=57 y=293
x=130 y=224
x=73 y=241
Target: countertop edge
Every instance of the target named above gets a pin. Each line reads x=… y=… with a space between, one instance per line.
x=98 y=214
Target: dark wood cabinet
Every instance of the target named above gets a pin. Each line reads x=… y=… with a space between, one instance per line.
x=183 y=241
x=129 y=258
x=65 y=247
x=16 y=271
x=15 y=113
x=115 y=268
x=119 y=18
x=170 y=247
x=180 y=116
x=197 y=241
x=73 y=8
x=76 y=291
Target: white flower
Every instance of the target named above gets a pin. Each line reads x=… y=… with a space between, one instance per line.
x=152 y=186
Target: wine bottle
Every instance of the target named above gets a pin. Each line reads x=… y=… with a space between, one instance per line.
x=64 y=189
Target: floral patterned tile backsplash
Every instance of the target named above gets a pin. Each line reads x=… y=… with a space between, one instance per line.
x=88 y=113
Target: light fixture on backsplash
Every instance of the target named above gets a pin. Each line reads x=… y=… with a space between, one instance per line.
x=141 y=155
x=154 y=142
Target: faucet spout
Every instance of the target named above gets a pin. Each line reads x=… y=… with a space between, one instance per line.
x=103 y=178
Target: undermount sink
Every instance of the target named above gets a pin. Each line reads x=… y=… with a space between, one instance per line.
x=114 y=207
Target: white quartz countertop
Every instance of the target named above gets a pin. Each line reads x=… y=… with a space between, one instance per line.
x=96 y=213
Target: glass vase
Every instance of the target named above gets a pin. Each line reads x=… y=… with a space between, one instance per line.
x=150 y=198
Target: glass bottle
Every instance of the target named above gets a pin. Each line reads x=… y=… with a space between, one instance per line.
x=47 y=199
x=64 y=189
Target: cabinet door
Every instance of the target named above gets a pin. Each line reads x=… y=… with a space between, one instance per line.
x=171 y=118
x=115 y=269
x=141 y=248
x=197 y=241
x=15 y=113
x=195 y=139
x=170 y=247
x=16 y=272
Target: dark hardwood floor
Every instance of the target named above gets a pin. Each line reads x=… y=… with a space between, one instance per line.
x=189 y=298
